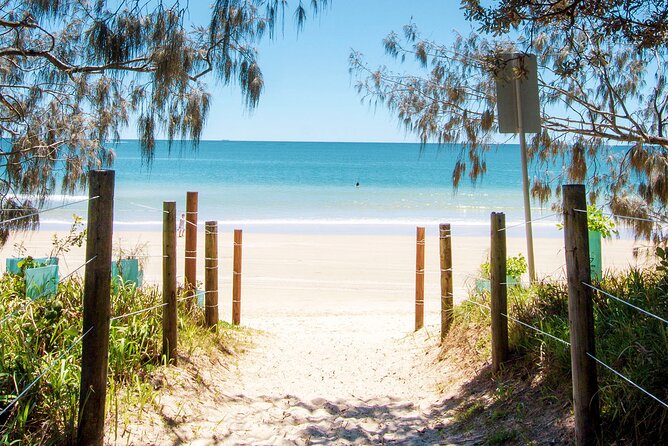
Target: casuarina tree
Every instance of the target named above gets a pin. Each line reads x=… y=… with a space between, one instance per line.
x=73 y=73
x=604 y=103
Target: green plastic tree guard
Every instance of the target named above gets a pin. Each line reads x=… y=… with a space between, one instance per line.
x=200 y=298
x=595 y=258
x=128 y=270
x=12 y=263
x=41 y=282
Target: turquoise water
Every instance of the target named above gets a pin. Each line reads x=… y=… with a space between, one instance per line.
x=290 y=186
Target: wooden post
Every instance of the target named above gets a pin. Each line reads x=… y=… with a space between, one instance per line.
x=419 y=279
x=169 y=342
x=236 y=279
x=445 y=246
x=498 y=289
x=190 y=270
x=581 y=317
x=211 y=273
x=96 y=308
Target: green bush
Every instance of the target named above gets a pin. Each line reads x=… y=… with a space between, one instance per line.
x=35 y=333
x=631 y=342
x=515 y=267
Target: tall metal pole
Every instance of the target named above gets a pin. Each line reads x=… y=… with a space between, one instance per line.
x=525 y=182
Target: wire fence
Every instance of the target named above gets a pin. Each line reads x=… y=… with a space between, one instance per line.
x=142 y=311
x=628 y=217
x=22 y=217
x=524 y=324
x=568 y=344
x=628 y=380
x=390 y=270
x=625 y=302
x=526 y=222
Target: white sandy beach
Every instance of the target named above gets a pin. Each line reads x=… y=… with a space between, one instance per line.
x=309 y=274
x=337 y=361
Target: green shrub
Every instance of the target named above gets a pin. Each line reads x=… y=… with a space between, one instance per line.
x=35 y=333
x=631 y=342
x=598 y=221
x=515 y=267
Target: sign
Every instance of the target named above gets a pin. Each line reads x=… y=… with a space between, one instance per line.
x=518 y=71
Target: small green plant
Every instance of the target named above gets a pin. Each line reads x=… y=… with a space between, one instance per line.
x=515 y=267
x=26 y=263
x=138 y=251
x=469 y=412
x=598 y=221
x=501 y=436
x=75 y=237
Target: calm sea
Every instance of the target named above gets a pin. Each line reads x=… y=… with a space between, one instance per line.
x=306 y=186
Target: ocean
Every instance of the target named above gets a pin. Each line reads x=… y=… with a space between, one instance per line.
x=313 y=187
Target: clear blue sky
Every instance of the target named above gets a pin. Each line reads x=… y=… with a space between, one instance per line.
x=309 y=94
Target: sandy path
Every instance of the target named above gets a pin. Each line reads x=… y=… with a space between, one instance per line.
x=335 y=380
x=321 y=380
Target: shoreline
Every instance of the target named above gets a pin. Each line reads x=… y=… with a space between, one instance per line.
x=367 y=227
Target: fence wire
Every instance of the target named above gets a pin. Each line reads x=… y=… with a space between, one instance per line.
x=628 y=217
x=134 y=313
x=25 y=391
x=22 y=217
x=625 y=302
x=148 y=207
x=628 y=380
x=192 y=296
x=78 y=268
x=524 y=223
x=521 y=323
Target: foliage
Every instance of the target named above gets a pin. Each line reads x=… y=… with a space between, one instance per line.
x=36 y=333
x=515 y=267
x=595 y=92
x=139 y=251
x=626 y=339
x=75 y=237
x=598 y=221
x=662 y=258
x=641 y=23
x=74 y=72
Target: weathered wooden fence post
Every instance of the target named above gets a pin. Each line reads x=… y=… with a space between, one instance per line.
x=236 y=279
x=445 y=245
x=96 y=309
x=581 y=317
x=169 y=321
x=190 y=270
x=498 y=289
x=211 y=273
x=419 y=279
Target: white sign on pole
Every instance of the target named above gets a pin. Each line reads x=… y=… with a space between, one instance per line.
x=519 y=69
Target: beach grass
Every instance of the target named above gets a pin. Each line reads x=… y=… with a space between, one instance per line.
x=42 y=335
x=630 y=341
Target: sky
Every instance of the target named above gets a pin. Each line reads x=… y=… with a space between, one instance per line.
x=309 y=94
